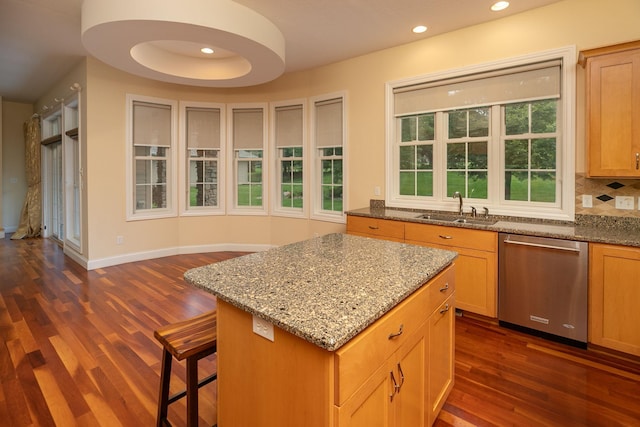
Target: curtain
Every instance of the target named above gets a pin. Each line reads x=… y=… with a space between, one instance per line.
x=31 y=215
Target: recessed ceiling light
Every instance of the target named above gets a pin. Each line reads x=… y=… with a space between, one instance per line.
x=206 y=50
x=419 y=29
x=501 y=5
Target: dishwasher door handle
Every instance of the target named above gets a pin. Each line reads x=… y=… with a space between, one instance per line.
x=539 y=245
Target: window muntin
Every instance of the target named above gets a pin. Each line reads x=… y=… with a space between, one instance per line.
x=542 y=76
x=247 y=140
x=329 y=174
x=416 y=155
x=288 y=134
x=467 y=152
x=530 y=151
x=152 y=146
x=203 y=136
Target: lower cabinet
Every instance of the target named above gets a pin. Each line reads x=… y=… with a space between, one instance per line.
x=614 y=293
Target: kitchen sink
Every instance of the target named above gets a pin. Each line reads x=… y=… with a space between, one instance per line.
x=456 y=219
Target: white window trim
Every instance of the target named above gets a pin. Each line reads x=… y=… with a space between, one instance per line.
x=276 y=206
x=172 y=182
x=232 y=207
x=566 y=154
x=185 y=209
x=317 y=212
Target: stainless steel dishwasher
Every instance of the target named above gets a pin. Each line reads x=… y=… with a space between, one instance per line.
x=542 y=286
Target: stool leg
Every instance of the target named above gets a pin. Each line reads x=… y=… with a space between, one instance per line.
x=165 y=378
x=192 y=392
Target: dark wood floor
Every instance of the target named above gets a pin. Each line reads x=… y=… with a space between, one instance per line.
x=77 y=348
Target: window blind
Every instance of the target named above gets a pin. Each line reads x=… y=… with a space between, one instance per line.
x=151 y=124
x=248 y=128
x=289 y=126
x=203 y=128
x=508 y=85
x=329 y=123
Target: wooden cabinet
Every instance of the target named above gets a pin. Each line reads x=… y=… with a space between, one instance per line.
x=614 y=293
x=476 y=266
x=408 y=387
x=375 y=227
x=382 y=377
x=613 y=110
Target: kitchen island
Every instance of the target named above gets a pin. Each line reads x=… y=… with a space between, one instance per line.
x=349 y=331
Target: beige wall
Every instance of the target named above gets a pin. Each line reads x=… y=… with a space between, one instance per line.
x=583 y=23
x=13 y=179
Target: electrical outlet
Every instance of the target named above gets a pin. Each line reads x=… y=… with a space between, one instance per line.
x=587 y=201
x=119 y=240
x=376 y=190
x=624 y=202
x=263 y=328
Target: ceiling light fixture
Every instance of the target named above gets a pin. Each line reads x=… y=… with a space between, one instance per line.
x=206 y=50
x=419 y=29
x=501 y=5
x=155 y=42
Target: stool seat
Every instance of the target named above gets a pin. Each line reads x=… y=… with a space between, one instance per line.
x=189 y=340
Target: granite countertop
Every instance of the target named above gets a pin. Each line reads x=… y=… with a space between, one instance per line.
x=586 y=228
x=325 y=290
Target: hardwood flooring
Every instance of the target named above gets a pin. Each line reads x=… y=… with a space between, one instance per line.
x=77 y=348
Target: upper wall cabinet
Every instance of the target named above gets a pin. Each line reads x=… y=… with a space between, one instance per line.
x=613 y=110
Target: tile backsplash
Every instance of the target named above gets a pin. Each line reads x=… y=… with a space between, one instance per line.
x=603 y=192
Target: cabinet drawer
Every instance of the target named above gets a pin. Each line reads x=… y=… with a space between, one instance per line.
x=452 y=236
x=361 y=356
x=375 y=227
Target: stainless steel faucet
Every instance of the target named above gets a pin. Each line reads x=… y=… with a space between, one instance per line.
x=459 y=196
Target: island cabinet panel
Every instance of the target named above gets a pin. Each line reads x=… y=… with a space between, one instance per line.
x=476 y=265
x=287 y=382
x=375 y=227
x=613 y=110
x=614 y=293
x=441 y=352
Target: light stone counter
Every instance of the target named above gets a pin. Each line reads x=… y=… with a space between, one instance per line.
x=325 y=290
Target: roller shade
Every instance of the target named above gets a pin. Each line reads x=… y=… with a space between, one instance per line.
x=509 y=85
x=248 y=129
x=151 y=124
x=289 y=126
x=203 y=128
x=329 y=123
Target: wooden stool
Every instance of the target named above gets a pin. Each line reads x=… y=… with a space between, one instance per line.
x=190 y=339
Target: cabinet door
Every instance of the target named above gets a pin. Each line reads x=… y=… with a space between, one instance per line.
x=614 y=289
x=613 y=109
x=395 y=395
x=441 y=352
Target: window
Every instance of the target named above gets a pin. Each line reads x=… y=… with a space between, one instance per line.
x=202 y=134
x=500 y=134
x=150 y=170
x=288 y=133
x=248 y=138
x=329 y=176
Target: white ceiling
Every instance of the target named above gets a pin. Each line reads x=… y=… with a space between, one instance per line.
x=40 y=39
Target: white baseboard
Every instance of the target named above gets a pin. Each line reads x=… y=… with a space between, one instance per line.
x=159 y=253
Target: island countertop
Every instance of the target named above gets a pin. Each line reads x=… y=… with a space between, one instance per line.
x=324 y=290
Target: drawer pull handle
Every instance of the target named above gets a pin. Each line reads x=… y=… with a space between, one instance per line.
x=445 y=288
x=401 y=377
x=396 y=334
x=443 y=236
x=373 y=227
x=395 y=386
x=444 y=309
x=637 y=161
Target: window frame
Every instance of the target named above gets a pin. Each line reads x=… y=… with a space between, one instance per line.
x=171 y=210
x=564 y=209
x=276 y=203
x=184 y=179
x=232 y=176
x=316 y=211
